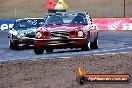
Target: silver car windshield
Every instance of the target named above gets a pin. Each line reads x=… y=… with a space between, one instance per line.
x=28 y=23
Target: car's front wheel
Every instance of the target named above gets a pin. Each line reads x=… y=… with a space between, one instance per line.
x=94 y=44
x=13 y=45
x=38 y=50
x=86 y=47
x=10 y=45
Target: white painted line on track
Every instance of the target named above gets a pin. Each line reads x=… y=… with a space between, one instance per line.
x=2 y=60
x=64 y=57
x=11 y=60
x=106 y=54
x=124 y=52
x=109 y=54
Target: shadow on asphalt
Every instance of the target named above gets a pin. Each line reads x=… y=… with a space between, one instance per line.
x=56 y=51
x=24 y=48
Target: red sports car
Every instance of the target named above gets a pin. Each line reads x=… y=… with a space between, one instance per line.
x=66 y=30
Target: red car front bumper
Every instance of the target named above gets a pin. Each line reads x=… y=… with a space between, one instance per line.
x=60 y=43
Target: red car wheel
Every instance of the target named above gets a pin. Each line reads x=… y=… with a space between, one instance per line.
x=38 y=50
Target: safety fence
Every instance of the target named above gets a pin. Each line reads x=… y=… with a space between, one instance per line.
x=101 y=23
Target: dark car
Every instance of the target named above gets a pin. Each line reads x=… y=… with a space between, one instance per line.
x=66 y=30
x=23 y=32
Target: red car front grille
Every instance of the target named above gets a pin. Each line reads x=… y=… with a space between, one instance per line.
x=60 y=34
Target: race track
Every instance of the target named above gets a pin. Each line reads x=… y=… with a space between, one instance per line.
x=109 y=42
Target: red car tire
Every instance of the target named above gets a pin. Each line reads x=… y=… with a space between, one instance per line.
x=38 y=50
x=86 y=46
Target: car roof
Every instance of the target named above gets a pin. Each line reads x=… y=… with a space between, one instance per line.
x=70 y=12
x=28 y=19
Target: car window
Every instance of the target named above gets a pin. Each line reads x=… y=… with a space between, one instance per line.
x=55 y=20
x=78 y=20
x=28 y=23
x=66 y=19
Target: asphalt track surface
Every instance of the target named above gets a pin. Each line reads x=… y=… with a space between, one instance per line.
x=110 y=42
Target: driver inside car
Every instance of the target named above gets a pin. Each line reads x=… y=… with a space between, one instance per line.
x=57 y=20
x=78 y=20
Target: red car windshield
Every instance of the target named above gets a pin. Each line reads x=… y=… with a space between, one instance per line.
x=66 y=19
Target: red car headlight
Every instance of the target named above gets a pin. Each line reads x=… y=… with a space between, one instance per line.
x=80 y=34
x=38 y=35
